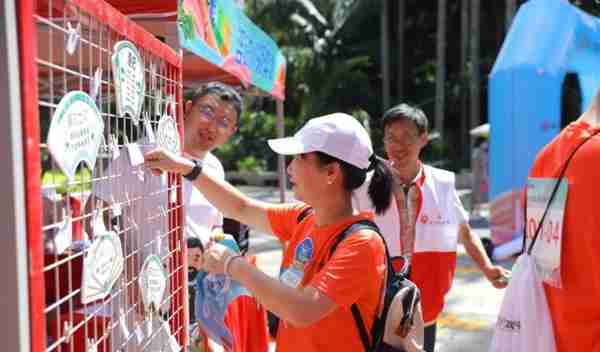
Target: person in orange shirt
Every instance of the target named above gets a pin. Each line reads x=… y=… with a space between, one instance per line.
x=315 y=291
x=575 y=307
x=426 y=219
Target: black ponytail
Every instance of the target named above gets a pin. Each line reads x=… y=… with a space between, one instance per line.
x=380 y=189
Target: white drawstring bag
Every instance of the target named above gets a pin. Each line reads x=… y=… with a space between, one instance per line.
x=524 y=323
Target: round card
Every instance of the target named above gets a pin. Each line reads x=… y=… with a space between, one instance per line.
x=128 y=71
x=153 y=282
x=75 y=132
x=167 y=135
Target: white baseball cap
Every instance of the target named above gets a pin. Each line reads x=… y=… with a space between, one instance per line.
x=338 y=135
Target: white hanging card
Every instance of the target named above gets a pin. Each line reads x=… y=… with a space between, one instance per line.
x=116 y=209
x=149 y=326
x=139 y=335
x=149 y=130
x=113 y=146
x=158 y=242
x=75 y=132
x=91 y=346
x=158 y=103
x=141 y=174
x=123 y=324
x=171 y=105
x=153 y=283
x=128 y=70
x=167 y=134
x=72 y=37
x=152 y=76
x=95 y=83
x=68 y=330
x=173 y=195
x=102 y=267
x=64 y=235
x=98 y=223
x=135 y=154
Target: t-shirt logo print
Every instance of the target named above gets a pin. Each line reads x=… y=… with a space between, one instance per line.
x=434 y=218
x=304 y=252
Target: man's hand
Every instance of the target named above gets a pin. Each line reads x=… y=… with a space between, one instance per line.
x=498 y=276
x=159 y=160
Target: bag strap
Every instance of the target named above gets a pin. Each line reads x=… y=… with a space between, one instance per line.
x=556 y=186
x=355 y=227
x=360 y=324
x=358 y=320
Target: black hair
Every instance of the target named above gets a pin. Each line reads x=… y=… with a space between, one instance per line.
x=194 y=242
x=406 y=112
x=380 y=187
x=222 y=91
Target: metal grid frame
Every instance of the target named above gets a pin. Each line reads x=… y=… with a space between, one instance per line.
x=48 y=73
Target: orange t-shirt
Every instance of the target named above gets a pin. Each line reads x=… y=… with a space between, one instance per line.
x=354 y=273
x=247 y=322
x=575 y=308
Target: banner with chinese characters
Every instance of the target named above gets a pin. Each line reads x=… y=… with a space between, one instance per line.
x=220 y=33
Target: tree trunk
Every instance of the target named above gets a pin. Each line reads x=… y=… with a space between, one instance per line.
x=440 y=79
x=510 y=12
x=385 y=55
x=282 y=175
x=400 y=44
x=475 y=79
x=464 y=97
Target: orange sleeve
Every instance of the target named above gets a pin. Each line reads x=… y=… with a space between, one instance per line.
x=357 y=264
x=283 y=219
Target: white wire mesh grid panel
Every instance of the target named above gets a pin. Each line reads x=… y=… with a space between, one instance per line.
x=143 y=210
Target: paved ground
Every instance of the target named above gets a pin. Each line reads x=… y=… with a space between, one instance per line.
x=471 y=306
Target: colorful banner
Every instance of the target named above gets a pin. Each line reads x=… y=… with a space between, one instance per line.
x=219 y=32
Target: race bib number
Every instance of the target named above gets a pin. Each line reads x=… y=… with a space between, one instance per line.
x=547 y=249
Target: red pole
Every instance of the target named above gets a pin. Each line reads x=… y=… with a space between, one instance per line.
x=31 y=133
x=179 y=218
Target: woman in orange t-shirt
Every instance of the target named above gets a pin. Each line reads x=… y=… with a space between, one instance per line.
x=575 y=307
x=314 y=293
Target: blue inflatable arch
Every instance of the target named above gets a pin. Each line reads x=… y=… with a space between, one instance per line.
x=547 y=40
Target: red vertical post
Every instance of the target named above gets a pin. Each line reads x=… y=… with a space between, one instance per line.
x=176 y=229
x=31 y=153
x=183 y=274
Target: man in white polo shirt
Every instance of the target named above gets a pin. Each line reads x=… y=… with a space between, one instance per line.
x=426 y=219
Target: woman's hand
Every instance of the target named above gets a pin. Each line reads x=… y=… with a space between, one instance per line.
x=159 y=160
x=215 y=257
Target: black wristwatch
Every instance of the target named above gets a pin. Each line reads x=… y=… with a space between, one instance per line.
x=192 y=175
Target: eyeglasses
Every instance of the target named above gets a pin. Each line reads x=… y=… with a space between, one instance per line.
x=209 y=114
x=407 y=140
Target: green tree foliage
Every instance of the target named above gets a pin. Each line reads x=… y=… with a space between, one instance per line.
x=332 y=48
